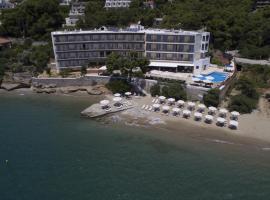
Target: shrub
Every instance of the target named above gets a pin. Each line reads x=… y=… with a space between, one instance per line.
x=83 y=70
x=65 y=73
x=119 y=86
x=155 y=90
x=174 y=90
x=247 y=88
x=211 y=98
x=242 y=104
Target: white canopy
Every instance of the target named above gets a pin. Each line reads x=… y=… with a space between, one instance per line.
x=191 y=104
x=221 y=120
x=117 y=99
x=234 y=123
x=162 y=98
x=156 y=105
x=176 y=110
x=104 y=102
x=235 y=113
x=171 y=100
x=198 y=115
x=181 y=102
x=212 y=109
x=186 y=112
x=127 y=93
x=199 y=76
x=196 y=80
x=201 y=106
x=210 y=78
x=223 y=111
x=117 y=95
x=207 y=81
x=165 y=108
x=209 y=117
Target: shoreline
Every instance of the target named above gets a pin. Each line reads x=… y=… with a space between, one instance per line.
x=253 y=127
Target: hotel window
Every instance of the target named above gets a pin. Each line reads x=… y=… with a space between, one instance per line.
x=169 y=56
x=185 y=57
x=207 y=38
x=169 y=47
x=95 y=46
x=202 y=46
x=154 y=38
x=86 y=38
x=170 y=38
x=204 y=38
x=71 y=46
x=120 y=37
x=206 y=47
x=154 y=47
x=71 y=38
x=95 y=37
x=186 y=48
x=103 y=37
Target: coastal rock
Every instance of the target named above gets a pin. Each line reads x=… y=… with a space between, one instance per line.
x=46 y=90
x=13 y=86
x=94 y=91
x=67 y=90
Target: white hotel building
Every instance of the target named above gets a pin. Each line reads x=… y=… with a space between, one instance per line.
x=117 y=3
x=167 y=50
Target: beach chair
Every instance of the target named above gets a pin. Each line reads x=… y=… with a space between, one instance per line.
x=154 y=100
x=143 y=106
x=150 y=108
x=146 y=107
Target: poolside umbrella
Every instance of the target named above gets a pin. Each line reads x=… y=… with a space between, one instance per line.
x=233 y=124
x=207 y=81
x=221 y=121
x=176 y=111
x=156 y=106
x=165 y=108
x=117 y=95
x=223 y=111
x=198 y=116
x=201 y=107
x=235 y=114
x=210 y=78
x=186 y=113
x=127 y=94
x=181 y=102
x=199 y=76
x=104 y=103
x=212 y=110
x=162 y=98
x=117 y=101
x=191 y=105
x=209 y=118
x=171 y=100
x=196 y=80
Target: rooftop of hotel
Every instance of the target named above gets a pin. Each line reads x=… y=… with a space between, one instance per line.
x=131 y=29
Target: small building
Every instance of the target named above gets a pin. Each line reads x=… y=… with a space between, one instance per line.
x=149 y=4
x=65 y=2
x=6 y=4
x=262 y=3
x=117 y=3
x=76 y=12
x=5 y=43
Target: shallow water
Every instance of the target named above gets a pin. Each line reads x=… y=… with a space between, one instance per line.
x=53 y=153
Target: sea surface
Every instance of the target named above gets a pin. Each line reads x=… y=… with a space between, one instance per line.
x=48 y=152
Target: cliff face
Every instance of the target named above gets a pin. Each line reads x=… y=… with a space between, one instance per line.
x=12 y=81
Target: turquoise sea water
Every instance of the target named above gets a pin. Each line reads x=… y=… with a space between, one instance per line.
x=53 y=154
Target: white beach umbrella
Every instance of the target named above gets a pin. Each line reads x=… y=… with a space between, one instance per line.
x=235 y=113
x=104 y=102
x=191 y=105
x=162 y=98
x=197 y=115
x=180 y=102
x=186 y=113
x=201 y=106
x=176 y=110
x=171 y=100
x=117 y=95
x=221 y=120
x=117 y=99
x=209 y=118
x=233 y=124
x=210 y=78
x=212 y=109
x=165 y=108
x=127 y=93
x=156 y=105
x=223 y=111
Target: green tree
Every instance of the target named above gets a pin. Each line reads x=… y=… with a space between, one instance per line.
x=119 y=86
x=242 y=104
x=155 y=90
x=83 y=70
x=174 y=90
x=211 y=98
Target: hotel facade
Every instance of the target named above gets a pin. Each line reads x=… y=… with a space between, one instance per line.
x=167 y=50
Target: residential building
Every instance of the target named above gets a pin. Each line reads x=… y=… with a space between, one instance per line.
x=117 y=3
x=262 y=3
x=65 y=2
x=5 y=43
x=167 y=50
x=76 y=12
x=6 y=4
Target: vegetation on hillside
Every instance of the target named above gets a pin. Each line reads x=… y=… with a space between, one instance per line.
x=211 y=98
x=119 y=86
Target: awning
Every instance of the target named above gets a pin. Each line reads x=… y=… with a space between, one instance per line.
x=169 y=64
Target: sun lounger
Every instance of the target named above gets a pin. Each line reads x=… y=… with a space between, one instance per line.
x=143 y=106
x=154 y=100
x=146 y=107
x=150 y=109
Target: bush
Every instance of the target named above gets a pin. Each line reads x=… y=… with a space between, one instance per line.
x=267 y=96
x=247 y=88
x=174 y=90
x=242 y=104
x=83 y=70
x=155 y=90
x=211 y=98
x=65 y=73
x=119 y=86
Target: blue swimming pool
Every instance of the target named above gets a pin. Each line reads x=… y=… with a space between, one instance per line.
x=215 y=77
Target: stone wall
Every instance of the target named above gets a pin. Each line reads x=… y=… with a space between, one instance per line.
x=66 y=82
